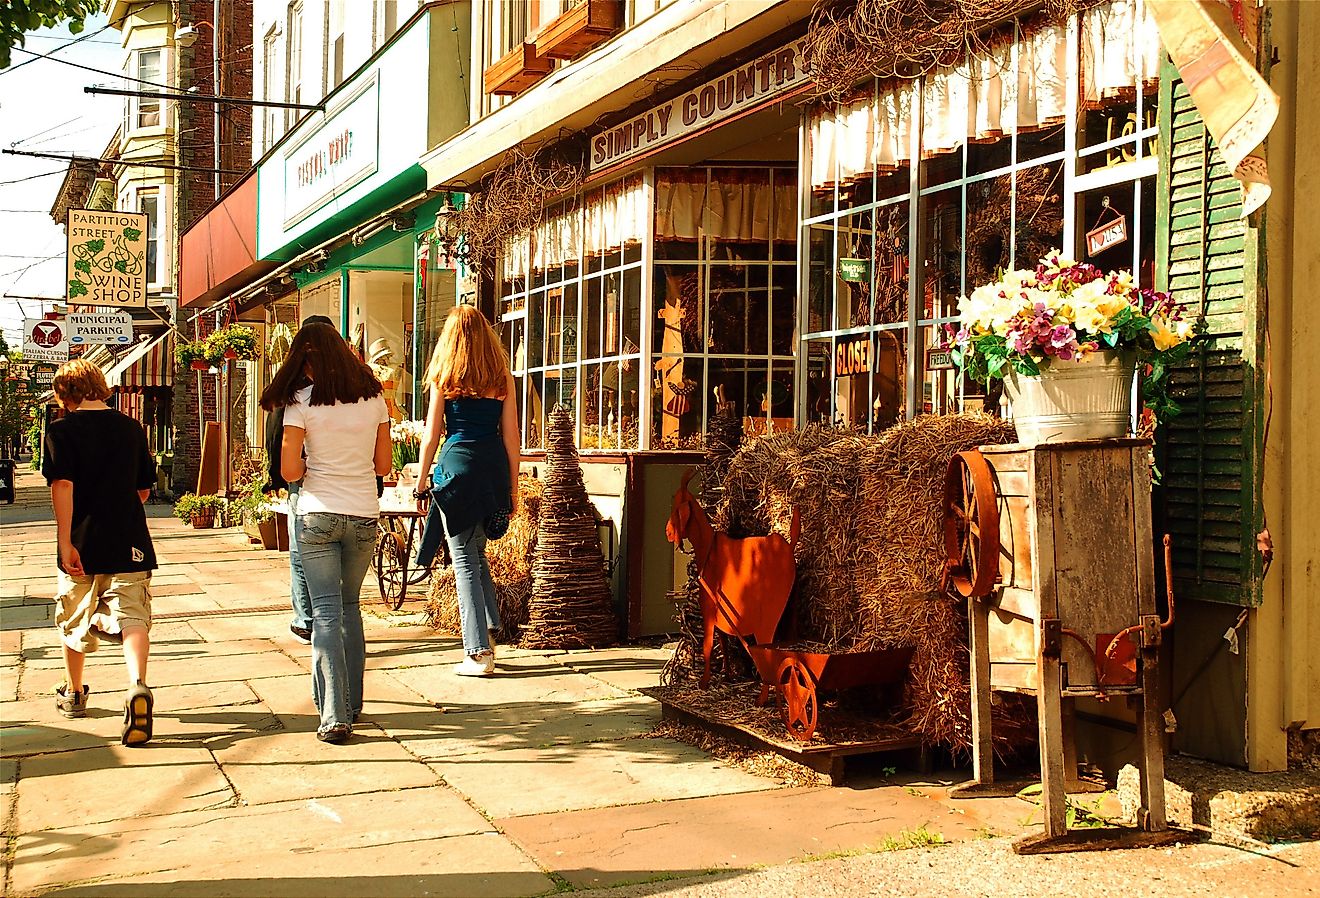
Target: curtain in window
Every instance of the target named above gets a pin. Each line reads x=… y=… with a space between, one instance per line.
x=733 y=205
x=1120 y=49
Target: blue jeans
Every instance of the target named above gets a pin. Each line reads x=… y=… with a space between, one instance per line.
x=478 y=604
x=336 y=552
x=302 y=604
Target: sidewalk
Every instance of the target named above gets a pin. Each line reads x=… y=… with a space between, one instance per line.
x=546 y=778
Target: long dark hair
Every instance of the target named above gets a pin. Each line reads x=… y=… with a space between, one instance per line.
x=337 y=375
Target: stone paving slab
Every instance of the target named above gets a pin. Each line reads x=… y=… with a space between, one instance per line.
x=285 y=765
x=420 y=831
x=384 y=700
x=628 y=668
x=519 y=680
x=26 y=616
x=598 y=774
x=272 y=626
x=220 y=668
x=113 y=782
x=528 y=726
x=605 y=846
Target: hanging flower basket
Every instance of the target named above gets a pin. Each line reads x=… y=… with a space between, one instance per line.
x=200 y=365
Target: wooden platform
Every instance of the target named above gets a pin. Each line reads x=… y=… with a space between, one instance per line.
x=731 y=712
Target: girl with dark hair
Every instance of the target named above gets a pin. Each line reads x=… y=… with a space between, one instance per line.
x=279 y=393
x=336 y=441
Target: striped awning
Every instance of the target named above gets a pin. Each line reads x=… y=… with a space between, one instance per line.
x=149 y=364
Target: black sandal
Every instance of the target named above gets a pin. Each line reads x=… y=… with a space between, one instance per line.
x=137 y=716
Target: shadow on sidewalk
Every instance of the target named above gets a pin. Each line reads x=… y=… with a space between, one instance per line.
x=460 y=885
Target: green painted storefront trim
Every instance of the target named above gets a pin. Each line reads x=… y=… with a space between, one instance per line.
x=406 y=184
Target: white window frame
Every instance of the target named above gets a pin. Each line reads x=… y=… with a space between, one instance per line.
x=153 y=196
x=294 y=64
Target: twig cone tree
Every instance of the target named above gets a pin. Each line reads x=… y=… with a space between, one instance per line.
x=571 y=605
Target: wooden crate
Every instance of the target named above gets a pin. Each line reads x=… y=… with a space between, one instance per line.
x=581 y=27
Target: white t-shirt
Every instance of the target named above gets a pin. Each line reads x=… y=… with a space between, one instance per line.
x=341 y=452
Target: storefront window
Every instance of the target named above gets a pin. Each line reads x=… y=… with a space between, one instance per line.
x=995 y=187
x=570 y=311
x=724 y=293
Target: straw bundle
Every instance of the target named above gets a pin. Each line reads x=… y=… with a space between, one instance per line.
x=570 y=604
x=510 y=560
x=871 y=551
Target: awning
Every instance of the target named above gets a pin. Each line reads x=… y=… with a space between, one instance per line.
x=148 y=364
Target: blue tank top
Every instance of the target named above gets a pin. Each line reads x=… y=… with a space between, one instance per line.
x=469 y=419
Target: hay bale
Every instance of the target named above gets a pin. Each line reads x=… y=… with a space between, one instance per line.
x=871 y=551
x=510 y=561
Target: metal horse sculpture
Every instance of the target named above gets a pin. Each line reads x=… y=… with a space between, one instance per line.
x=745 y=583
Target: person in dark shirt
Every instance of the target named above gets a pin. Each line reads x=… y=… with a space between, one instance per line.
x=100 y=473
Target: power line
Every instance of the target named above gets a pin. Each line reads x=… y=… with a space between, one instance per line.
x=143 y=164
x=46 y=131
x=58 y=171
x=47 y=55
x=87 y=68
x=33 y=265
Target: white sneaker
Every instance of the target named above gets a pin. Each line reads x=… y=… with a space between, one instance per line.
x=480 y=665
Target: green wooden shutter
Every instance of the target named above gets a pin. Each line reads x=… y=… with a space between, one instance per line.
x=1207 y=255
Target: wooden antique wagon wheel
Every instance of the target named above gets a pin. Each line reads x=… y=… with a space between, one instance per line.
x=971 y=526
x=797 y=686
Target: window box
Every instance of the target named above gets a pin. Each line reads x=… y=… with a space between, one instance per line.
x=583 y=26
x=517 y=71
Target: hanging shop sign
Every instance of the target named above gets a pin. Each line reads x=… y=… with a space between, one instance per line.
x=107 y=259
x=87 y=328
x=771 y=75
x=938 y=359
x=1107 y=235
x=852 y=355
x=45 y=340
x=855 y=271
x=334 y=157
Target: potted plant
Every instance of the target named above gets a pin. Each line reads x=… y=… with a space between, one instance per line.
x=406 y=443
x=233 y=342
x=193 y=353
x=254 y=511
x=201 y=511
x=1067 y=338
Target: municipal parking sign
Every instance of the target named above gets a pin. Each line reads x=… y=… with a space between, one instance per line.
x=114 y=328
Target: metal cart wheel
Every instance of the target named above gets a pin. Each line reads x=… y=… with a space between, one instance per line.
x=797 y=686
x=391 y=563
x=971 y=526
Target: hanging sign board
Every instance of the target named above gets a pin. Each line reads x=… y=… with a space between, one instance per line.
x=107 y=261
x=939 y=359
x=86 y=328
x=855 y=271
x=771 y=75
x=1107 y=236
x=45 y=341
x=852 y=355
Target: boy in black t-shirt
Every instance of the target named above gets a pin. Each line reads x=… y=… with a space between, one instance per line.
x=100 y=473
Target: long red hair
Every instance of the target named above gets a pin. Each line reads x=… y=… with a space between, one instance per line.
x=469 y=359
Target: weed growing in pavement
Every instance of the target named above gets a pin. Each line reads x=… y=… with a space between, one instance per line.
x=1078 y=814
x=921 y=837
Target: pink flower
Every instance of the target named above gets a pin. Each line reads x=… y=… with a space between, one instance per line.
x=1063 y=335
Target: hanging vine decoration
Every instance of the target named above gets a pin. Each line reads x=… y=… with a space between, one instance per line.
x=512 y=199
x=1039 y=223
x=849 y=41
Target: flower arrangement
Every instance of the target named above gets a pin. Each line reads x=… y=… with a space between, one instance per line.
x=1062 y=311
x=200 y=510
x=406 y=442
x=233 y=342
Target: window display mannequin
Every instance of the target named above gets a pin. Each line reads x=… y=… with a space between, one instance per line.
x=380 y=357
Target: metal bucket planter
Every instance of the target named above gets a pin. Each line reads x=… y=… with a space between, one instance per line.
x=1085 y=400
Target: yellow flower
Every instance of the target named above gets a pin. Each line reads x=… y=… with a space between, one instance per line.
x=1165 y=337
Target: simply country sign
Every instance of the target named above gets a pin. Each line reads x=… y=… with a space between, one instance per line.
x=85 y=328
x=107 y=262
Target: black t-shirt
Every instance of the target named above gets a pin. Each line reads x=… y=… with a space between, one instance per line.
x=104 y=453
